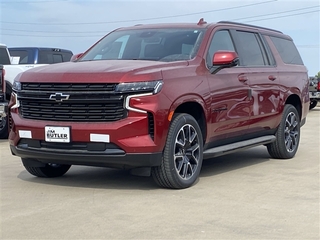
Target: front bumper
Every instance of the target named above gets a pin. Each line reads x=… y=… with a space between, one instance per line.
x=129 y=143
x=3 y=110
x=107 y=157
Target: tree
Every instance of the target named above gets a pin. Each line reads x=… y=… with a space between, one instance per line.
x=318 y=75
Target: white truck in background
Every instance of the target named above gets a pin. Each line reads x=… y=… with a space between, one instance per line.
x=20 y=59
x=9 y=72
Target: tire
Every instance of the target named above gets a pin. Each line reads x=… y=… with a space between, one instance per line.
x=50 y=170
x=287 y=135
x=182 y=155
x=313 y=104
x=4 y=127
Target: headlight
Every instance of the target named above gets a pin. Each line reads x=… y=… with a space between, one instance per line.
x=16 y=86
x=154 y=87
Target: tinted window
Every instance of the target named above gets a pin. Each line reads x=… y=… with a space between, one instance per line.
x=57 y=58
x=147 y=44
x=250 y=51
x=287 y=50
x=20 y=53
x=48 y=57
x=66 y=56
x=4 y=58
x=220 y=41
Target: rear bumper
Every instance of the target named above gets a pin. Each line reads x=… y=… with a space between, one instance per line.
x=115 y=158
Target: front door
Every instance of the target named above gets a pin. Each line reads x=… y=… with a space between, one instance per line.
x=230 y=103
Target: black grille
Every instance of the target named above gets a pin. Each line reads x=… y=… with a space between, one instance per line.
x=68 y=87
x=79 y=146
x=85 y=103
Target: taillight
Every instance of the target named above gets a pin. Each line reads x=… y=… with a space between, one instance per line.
x=318 y=85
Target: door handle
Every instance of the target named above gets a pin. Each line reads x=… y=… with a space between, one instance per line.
x=272 y=78
x=242 y=78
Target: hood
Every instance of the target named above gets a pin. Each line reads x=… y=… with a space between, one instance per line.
x=107 y=71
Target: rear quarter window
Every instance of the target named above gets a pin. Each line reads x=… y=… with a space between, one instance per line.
x=287 y=50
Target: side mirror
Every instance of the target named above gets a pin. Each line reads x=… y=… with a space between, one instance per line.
x=76 y=57
x=224 y=59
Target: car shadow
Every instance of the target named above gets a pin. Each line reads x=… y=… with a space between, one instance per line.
x=234 y=161
x=106 y=178
x=95 y=177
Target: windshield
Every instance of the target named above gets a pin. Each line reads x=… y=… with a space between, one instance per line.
x=147 y=44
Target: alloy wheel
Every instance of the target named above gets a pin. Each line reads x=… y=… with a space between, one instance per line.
x=291 y=132
x=187 y=152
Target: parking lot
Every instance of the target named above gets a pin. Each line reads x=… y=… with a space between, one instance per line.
x=245 y=195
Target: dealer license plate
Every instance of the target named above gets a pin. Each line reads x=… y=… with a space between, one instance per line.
x=57 y=134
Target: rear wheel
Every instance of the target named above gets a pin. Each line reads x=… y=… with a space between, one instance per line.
x=49 y=170
x=313 y=104
x=182 y=156
x=287 y=135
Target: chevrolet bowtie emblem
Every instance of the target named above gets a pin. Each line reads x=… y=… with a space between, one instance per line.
x=59 y=97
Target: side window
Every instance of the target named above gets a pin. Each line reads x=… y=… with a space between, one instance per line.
x=45 y=57
x=57 y=58
x=221 y=41
x=66 y=56
x=49 y=57
x=287 y=50
x=251 y=51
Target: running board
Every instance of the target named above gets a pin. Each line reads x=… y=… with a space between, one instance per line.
x=233 y=147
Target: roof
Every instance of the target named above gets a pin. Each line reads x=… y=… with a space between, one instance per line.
x=40 y=48
x=200 y=25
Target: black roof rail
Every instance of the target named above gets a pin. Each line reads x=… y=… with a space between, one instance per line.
x=249 y=25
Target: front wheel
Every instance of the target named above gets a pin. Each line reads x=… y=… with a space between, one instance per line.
x=287 y=135
x=182 y=156
x=49 y=170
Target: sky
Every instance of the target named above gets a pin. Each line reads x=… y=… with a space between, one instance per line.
x=78 y=24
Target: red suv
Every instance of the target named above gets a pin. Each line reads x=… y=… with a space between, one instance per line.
x=158 y=99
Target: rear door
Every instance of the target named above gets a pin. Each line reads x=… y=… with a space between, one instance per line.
x=262 y=78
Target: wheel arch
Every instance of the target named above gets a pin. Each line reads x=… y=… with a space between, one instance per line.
x=295 y=100
x=196 y=108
